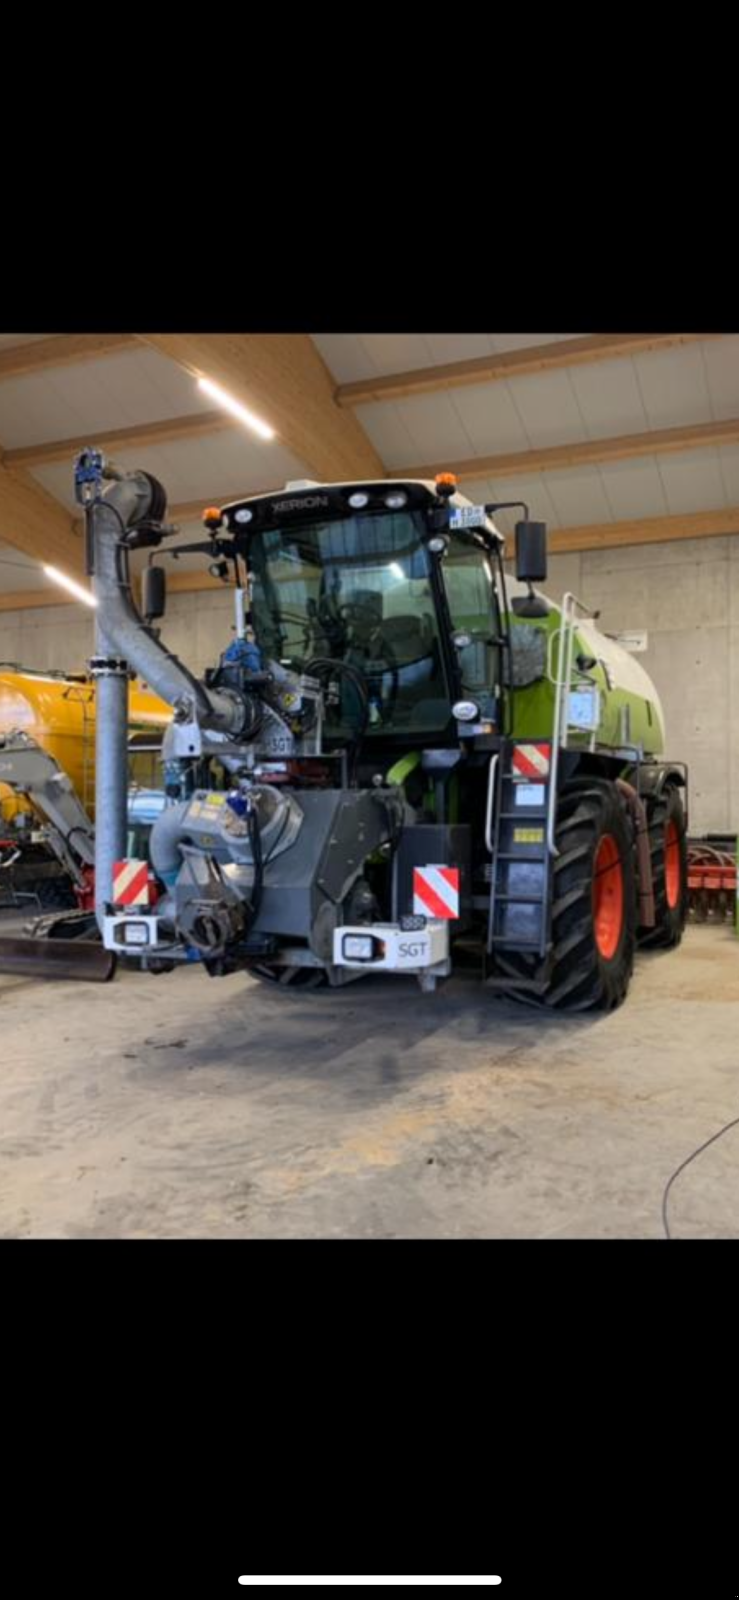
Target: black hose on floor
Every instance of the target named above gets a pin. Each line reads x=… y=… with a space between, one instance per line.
x=686 y=1163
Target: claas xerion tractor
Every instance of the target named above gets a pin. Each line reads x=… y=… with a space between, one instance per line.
x=427 y=764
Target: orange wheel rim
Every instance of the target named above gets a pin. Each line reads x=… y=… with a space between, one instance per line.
x=673 y=869
x=608 y=896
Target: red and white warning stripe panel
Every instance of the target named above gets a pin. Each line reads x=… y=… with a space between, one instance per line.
x=131 y=883
x=436 y=892
x=531 y=760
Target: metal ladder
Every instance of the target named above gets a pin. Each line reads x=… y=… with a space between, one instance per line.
x=521 y=814
x=516 y=823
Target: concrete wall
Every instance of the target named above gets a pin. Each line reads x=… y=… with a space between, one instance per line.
x=197 y=627
x=684 y=595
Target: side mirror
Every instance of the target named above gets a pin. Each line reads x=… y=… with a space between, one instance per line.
x=154 y=593
x=531 y=551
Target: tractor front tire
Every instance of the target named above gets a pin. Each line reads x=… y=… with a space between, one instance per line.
x=594 y=899
x=593 y=904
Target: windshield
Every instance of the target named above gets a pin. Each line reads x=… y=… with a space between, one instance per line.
x=356 y=590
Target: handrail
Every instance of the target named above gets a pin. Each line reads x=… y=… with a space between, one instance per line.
x=489 y=807
x=562 y=684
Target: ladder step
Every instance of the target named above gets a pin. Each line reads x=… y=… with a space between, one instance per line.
x=534 y=814
x=520 y=899
x=515 y=855
x=515 y=944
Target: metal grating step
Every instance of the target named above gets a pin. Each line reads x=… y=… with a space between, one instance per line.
x=515 y=944
x=534 y=814
x=521 y=899
x=515 y=855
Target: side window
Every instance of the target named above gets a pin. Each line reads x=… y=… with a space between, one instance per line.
x=471 y=599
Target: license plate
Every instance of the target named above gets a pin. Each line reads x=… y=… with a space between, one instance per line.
x=467 y=517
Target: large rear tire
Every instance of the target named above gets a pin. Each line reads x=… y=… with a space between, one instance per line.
x=593 y=904
x=669 y=851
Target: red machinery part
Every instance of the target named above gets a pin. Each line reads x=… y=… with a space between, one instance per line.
x=711 y=883
x=86 y=896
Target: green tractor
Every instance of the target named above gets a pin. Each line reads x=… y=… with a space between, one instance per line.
x=431 y=764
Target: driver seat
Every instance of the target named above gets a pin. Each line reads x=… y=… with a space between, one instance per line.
x=409 y=647
x=408 y=639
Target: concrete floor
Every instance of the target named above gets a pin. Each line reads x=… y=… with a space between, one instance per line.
x=182 y=1106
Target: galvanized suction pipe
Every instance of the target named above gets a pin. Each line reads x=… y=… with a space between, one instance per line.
x=124 y=629
x=123 y=641
x=111 y=766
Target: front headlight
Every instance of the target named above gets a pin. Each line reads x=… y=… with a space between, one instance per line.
x=465 y=710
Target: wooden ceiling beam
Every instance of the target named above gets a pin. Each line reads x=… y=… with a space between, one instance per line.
x=643 y=530
x=283 y=379
x=31 y=520
x=139 y=437
x=588 y=452
x=550 y=357
x=594 y=536
x=61 y=350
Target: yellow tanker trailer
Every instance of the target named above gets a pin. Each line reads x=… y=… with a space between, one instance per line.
x=47 y=749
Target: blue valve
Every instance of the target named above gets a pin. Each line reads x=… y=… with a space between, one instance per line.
x=243 y=653
x=238 y=802
x=88 y=476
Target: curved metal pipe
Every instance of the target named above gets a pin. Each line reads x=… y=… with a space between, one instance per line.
x=124 y=629
x=164 y=842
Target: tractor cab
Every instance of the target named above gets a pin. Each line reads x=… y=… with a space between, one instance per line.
x=372 y=589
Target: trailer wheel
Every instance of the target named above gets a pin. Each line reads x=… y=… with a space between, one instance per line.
x=593 y=906
x=669 y=851
x=55 y=893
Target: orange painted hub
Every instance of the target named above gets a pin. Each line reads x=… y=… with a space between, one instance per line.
x=673 y=868
x=608 y=896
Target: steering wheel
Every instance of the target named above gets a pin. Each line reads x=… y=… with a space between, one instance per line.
x=359 y=612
